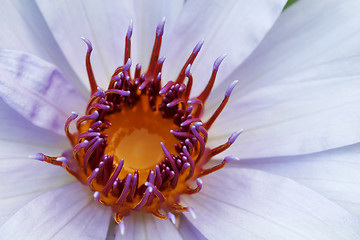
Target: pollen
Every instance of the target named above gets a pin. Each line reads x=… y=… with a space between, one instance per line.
x=141 y=143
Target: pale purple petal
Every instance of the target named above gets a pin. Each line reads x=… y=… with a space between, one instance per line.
x=22 y=27
x=251 y=204
x=145 y=226
x=37 y=90
x=63 y=213
x=23 y=179
x=232 y=27
x=145 y=23
x=105 y=24
x=188 y=230
x=298 y=91
x=333 y=173
x=21 y=138
x=311 y=111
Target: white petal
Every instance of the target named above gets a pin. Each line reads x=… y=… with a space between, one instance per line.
x=311 y=111
x=232 y=27
x=24 y=179
x=189 y=231
x=251 y=204
x=23 y=28
x=145 y=24
x=63 y=213
x=145 y=226
x=103 y=23
x=306 y=35
x=37 y=90
x=334 y=173
x=20 y=138
x=297 y=91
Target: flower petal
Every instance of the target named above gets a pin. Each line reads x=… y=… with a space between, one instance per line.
x=311 y=111
x=37 y=90
x=145 y=226
x=21 y=138
x=232 y=27
x=299 y=89
x=189 y=231
x=23 y=179
x=63 y=213
x=145 y=24
x=23 y=28
x=103 y=23
x=251 y=204
x=333 y=173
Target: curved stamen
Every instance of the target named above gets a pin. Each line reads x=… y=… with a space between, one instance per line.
x=226 y=145
x=190 y=61
x=144 y=198
x=124 y=193
x=205 y=94
x=108 y=185
x=199 y=184
x=70 y=136
x=222 y=105
x=89 y=70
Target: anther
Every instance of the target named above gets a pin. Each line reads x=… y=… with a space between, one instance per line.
x=172 y=218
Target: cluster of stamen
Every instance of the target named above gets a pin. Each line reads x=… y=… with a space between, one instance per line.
x=155 y=189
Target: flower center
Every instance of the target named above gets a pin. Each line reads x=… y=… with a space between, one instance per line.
x=140 y=145
x=135 y=135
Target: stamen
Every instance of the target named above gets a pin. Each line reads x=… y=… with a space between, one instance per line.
x=226 y=145
x=108 y=185
x=89 y=70
x=204 y=95
x=190 y=61
x=157 y=45
x=127 y=54
x=70 y=136
x=199 y=183
x=125 y=190
x=171 y=217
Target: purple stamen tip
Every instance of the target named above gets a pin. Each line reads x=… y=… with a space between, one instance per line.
x=127 y=64
x=61 y=159
x=199 y=182
x=74 y=115
x=97 y=196
x=218 y=61
x=172 y=218
x=94 y=115
x=234 y=136
x=158 y=77
x=38 y=156
x=130 y=29
x=230 y=88
x=198 y=124
x=100 y=93
x=138 y=66
x=122 y=227
x=88 y=43
x=231 y=158
x=162 y=60
x=198 y=46
x=160 y=27
x=192 y=213
x=187 y=70
x=117 y=77
x=186 y=165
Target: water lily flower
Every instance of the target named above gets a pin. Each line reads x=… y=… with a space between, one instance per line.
x=295 y=174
